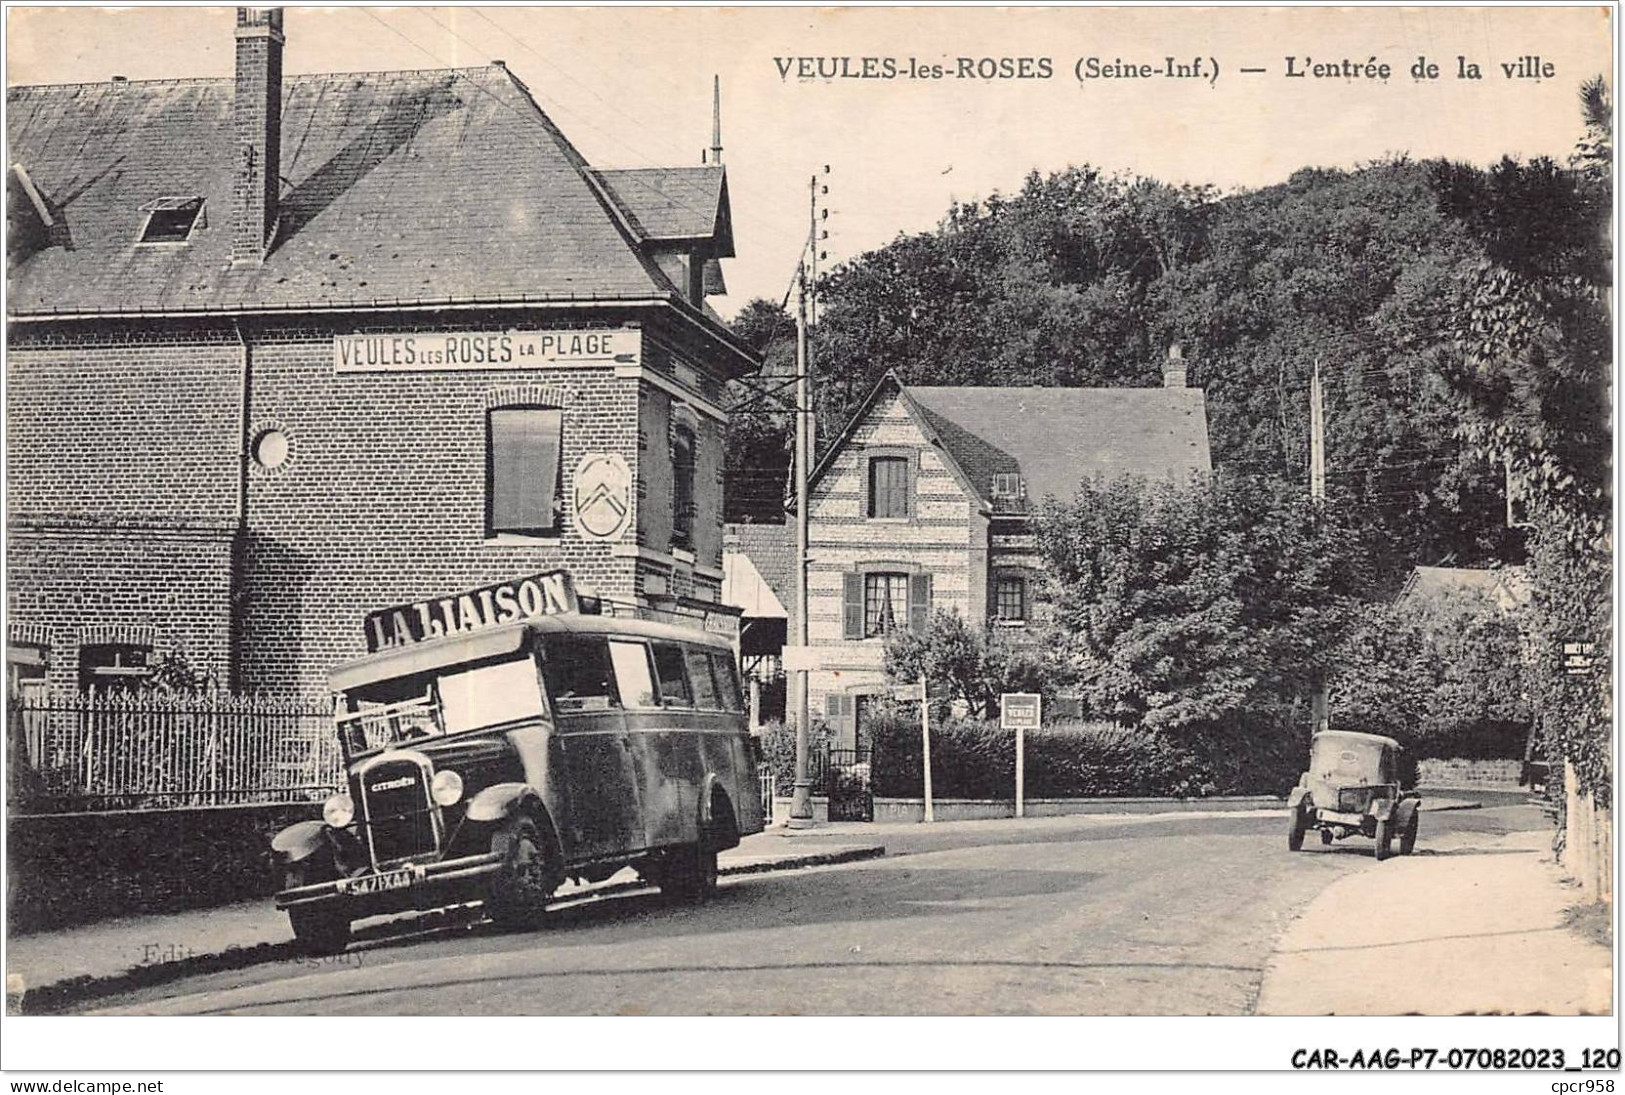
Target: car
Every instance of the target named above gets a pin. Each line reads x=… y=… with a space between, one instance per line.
x=494 y=764
x=1353 y=787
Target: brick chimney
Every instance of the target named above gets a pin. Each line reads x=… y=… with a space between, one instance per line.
x=1173 y=371
x=257 y=115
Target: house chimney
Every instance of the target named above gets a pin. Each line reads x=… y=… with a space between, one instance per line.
x=257 y=115
x=1173 y=371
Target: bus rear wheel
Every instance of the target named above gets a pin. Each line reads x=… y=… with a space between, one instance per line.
x=690 y=873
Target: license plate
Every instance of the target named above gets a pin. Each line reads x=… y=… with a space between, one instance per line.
x=378 y=883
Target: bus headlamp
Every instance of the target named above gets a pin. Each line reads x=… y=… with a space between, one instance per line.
x=338 y=811
x=447 y=787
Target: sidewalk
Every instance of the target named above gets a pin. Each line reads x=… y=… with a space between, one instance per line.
x=1470 y=925
x=141 y=944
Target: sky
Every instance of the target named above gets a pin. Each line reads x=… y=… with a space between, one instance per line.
x=632 y=87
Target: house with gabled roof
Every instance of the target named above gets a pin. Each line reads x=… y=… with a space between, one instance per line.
x=284 y=349
x=925 y=501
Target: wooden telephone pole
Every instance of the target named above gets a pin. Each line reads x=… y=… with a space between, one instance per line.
x=801 y=811
x=1317 y=494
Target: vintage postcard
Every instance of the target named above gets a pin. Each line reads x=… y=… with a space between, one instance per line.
x=1085 y=512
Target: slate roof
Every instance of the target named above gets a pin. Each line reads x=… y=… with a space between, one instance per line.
x=399 y=187
x=1055 y=438
x=772 y=549
x=1058 y=437
x=674 y=203
x=1508 y=587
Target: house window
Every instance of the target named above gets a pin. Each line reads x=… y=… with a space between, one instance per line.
x=888 y=486
x=109 y=666
x=880 y=600
x=171 y=220
x=27 y=666
x=885 y=603
x=1010 y=597
x=1007 y=485
x=682 y=492
x=522 y=470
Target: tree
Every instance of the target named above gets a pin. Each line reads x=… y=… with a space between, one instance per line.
x=756 y=464
x=966 y=665
x=1531 y=378
x=1445 y=675
x=1185 y=606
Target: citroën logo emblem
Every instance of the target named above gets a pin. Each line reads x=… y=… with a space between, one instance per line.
x=603 y=495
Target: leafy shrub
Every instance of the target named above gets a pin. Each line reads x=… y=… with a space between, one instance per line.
x=779 y=750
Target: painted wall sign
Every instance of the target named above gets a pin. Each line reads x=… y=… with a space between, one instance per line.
x=487 y=350
x=603 y=495
x=545 y=594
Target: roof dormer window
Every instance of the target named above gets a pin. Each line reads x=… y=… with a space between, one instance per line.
x=1007 y=485
x=171 y=219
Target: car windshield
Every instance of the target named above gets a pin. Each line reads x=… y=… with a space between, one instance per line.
x=448 y=701
x=1351 y=760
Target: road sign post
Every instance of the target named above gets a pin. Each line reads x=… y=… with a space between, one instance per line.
x=1021 y=711
x=925 y=748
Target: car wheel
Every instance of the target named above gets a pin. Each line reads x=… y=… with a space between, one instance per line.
x=1407 y=838
x=323 y=928
x=1299 y=826
x=1385 y=839
x=520 y=894
x=691 y=873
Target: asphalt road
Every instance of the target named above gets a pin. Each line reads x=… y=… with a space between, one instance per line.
x=1065 y=916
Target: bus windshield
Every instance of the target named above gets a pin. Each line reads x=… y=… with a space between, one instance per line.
x=448 y=701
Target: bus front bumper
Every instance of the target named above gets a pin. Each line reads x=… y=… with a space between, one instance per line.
x=406 y=886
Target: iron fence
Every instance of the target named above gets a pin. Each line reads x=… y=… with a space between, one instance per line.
x=160 y=750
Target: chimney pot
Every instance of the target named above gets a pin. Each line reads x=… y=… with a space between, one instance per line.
x=1173 y=370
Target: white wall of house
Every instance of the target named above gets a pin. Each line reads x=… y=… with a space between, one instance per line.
x=942 y=536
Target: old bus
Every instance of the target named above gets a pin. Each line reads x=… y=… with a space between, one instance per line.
x=494 y=763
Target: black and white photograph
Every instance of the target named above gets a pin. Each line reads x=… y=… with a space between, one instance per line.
x=600 y=524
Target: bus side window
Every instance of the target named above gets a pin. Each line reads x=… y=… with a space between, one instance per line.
x=632 y=676
x=579 y=676
x=699 y=674
x=674 y=690
x=727 y=681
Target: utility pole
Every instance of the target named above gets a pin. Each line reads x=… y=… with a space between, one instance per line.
x=801 y=811
x=1317 y=440
x=1317 y=494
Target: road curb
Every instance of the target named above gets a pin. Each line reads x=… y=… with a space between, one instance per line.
x=57 y=996
x=1448 y=806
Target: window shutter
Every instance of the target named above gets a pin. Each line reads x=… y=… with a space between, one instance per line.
x=852 y=605
x=919 y=602
x=524 y=446
x=840 y=711
x=910 y=470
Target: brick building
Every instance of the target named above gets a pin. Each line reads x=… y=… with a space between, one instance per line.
x=283 y=350
x=924 y=502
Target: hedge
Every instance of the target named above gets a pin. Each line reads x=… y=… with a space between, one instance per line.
x=972 y=758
